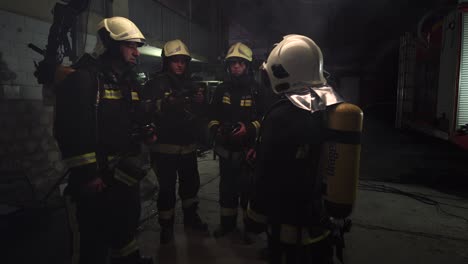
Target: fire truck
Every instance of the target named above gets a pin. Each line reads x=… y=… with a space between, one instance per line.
x=432 y=92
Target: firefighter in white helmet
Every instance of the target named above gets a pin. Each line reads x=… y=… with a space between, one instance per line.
x=288 y=201
x=97 y=128
x=235 y=122
x=177 y=111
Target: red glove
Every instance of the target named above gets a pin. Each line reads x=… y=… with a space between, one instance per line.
x=96 y=185
x=241 y=131
x=251 y=156
x=152 y=136
x=151 y=140
x=171 y=99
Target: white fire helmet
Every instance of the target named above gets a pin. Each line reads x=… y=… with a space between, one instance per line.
x=295 y=63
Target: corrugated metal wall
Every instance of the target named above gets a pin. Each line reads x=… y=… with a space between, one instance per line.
x=161 y=24
x=462 y=114
x=406 y=83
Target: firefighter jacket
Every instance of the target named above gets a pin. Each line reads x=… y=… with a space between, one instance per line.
x=236 y=100
x=288 y=189
x=176 y=117
x=96 y=115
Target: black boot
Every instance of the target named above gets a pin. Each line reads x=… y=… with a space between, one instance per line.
x=228 y=224
x=193 y=221
x=133 y=258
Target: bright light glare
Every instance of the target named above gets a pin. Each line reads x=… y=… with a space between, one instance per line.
x=155 y=52
x=150 y=51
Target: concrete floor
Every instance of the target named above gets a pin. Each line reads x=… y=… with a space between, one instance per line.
x=387 y=227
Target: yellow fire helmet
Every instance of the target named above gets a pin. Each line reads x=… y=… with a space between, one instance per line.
x=122 y=29
x=175 y=47
x=239 y=50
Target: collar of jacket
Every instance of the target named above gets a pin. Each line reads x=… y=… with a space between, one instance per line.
x=242 y=80
x=179 y=82
x=240 y=83
x=314 y=98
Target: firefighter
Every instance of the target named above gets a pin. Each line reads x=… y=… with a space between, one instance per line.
x=235 y=123
x=177 y=107
x=287 y=200
x=97 y=127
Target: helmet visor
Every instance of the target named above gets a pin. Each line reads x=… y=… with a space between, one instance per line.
x=235 y=60
x=139 y=42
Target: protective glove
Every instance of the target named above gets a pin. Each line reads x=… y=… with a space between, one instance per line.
x=251 y=156
x=150 y=134
x=145 y=134
x=240 y=131
x=95 y=185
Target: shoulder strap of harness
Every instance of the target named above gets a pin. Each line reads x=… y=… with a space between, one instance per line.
x=254 y=94
x=267 y=113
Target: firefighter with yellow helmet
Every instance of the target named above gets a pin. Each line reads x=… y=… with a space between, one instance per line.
x=235 y=123
x=177 y=108
x=98 y=127
x=308 y=138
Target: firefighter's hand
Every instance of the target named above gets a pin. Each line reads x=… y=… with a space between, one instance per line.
x=96 y=185
x=251 y=156
x=241 y=131
x=151 y=140
x=150 y=135
x=172 y=100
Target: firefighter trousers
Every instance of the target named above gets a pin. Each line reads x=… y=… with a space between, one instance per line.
x=234 y=189
x=279 y=252
x=104 y=224
x=169 y=168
